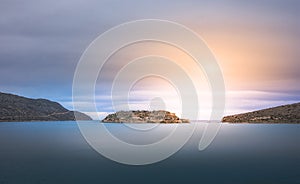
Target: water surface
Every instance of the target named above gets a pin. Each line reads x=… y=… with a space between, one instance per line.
x=55 y=152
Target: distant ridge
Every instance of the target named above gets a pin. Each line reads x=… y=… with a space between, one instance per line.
x=18 y=108
x=281 y=114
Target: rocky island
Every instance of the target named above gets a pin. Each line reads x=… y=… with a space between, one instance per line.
x=18 y=108
x=281 y=114
x=159 y=116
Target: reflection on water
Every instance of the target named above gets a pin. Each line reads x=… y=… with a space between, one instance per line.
x=55 y=152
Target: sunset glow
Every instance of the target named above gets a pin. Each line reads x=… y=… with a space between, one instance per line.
x=256 y=44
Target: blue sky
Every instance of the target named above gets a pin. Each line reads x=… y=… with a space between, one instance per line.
x=256 y=43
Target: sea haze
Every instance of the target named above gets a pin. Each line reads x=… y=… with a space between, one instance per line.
x=56 y=152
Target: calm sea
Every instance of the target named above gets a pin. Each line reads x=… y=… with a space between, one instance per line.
x=56 y=152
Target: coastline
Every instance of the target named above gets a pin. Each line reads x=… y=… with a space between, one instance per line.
x=196 y=121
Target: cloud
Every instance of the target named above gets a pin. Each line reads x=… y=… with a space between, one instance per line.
x=42 y=41
x=244 y=101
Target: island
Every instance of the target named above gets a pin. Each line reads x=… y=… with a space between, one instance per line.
x=143 y=116
x=281 y=114
x=18 y=108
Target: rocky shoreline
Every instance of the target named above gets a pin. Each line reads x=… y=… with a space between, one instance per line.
x=143 y=116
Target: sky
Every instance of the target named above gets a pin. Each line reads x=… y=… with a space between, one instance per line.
x=256 y=43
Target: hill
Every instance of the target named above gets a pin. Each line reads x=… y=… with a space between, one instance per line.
x=18 y=108
x=281 y=114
